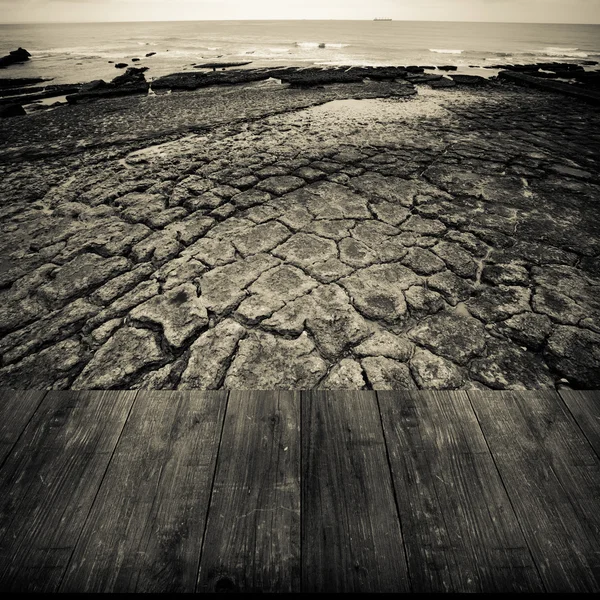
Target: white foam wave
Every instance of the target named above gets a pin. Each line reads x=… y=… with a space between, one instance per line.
x=445 y=51
x=557 y=51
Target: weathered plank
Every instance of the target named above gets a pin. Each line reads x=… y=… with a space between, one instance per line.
x=460 y=531
x=585 y=408
x=145 y=530
x=252 y=540
x=49 y=483
x=351 y=536
x=552 y=477
x=16 y=409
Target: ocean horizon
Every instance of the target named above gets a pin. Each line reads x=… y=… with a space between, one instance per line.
x=76 y=52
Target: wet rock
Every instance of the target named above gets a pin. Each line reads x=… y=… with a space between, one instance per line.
x=280 y=185
x=433 y=372
x=329 y=316
x=123 y=304
x=456 y=337
x=304 y=250
x=157 y=247
x=179 y=312
x=211 y=252
x=126 y=353
x=42 y=371
x=13 y=57
x=575 y=354
x=569 y=281
x=265 y=362
x=106 y=236
x=385 y=343
x=272 y=290
x=190 y=229
x=355 y=253
x=54 y=327
x=82 y=274
x=389 y=212
x=507 y=367
x=329 y=271
x=101 y=334
x=336 y=229
x=329 y=200
x=377 y=291
x=210 y=355
x=492 y=304
x=309 y=174
x=423 y=301
x=457 y=259
x=229 y=228
x=390 y=189
x=454 y=289
x=374 y=233
x=505 y=274
x=260 y=238
x=250 y=198
x=224 y=288
x=11 y=110
x=423 y=261
x=346 y=375
x=132 y=76
x=423 y=226
x=442 y=83
x=557 y=306
x=387 y=374
x=527 y=329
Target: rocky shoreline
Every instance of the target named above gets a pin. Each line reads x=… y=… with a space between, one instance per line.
x=570 y=78
x=372 y=234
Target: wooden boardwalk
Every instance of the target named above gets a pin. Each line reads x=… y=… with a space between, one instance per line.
x=290 y=491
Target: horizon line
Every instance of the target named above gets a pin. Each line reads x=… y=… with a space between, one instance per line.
x=286 y=20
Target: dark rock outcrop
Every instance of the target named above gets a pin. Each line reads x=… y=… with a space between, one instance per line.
x=16 y=56
x=448 y=68
x=132 y=76
x=469 y=80
x=16 y=82
x=121 y=65
x=150 y=54
x=11 y=110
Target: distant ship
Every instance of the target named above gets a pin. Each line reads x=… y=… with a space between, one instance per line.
x=381 y=19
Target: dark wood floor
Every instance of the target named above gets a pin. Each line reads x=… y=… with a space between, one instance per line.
x=290 y=491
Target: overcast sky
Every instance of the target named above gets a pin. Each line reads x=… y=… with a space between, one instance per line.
x=537 y=11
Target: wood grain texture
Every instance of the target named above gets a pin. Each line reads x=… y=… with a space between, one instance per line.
x=585 y=408
x=460 y=531
x=351 y=536
x=145 y=530
x=16 y=409
x=49 y=483
x=552 y=477
x=252 y=540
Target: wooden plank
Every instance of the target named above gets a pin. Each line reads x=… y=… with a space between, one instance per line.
x=585 y=408
x=460 y=531
x=145 y=530
x=351 y=535
x=252 y=540
x=553 y=479
x=49 y=483
x=16 y=409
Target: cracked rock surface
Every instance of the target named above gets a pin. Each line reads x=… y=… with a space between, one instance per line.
x=445 y=241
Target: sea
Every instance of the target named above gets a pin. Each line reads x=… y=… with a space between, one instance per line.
x=73 y=53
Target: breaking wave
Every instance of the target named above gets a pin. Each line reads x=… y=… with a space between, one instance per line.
x=564 y=52
x=445 y=51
